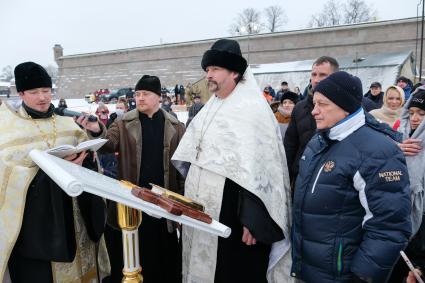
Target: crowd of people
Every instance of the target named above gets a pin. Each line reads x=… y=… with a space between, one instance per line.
x=321 y=186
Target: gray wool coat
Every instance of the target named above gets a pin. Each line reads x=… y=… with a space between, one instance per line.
x=416 y=168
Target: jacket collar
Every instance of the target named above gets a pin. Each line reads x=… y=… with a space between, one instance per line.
x=347 y=126
x=134 y=114
x=356 y=120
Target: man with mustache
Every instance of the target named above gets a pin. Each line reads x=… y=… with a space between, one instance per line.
x=233 y=156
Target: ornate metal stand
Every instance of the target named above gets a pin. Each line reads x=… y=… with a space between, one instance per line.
x=129 y=220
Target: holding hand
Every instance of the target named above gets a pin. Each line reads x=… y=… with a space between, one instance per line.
x=411 y=147
x=411 y=278
x=77 y=158
x=86 y=124
x=247 y=238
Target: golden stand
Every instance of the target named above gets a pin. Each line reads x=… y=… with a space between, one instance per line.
x=129 y=220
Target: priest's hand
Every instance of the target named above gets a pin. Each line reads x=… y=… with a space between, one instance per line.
x=93 y=127
x=410 y=147
x=247 y=238
x=411 y=278
x=77 y=158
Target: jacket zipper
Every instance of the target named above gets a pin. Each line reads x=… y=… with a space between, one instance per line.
x=317 y=178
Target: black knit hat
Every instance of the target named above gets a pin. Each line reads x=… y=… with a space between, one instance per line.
x=418 y=100
x=343 y=89
x=150 y=83
x=30 y=75
x=225 y=53
x=291 y=96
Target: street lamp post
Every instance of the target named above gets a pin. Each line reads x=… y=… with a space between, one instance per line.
x=356 y=61
x=249 y=28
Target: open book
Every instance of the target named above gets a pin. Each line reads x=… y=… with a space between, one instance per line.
x=67 y=149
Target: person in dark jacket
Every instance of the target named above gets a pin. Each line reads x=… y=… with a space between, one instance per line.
x=62 y=103
x=271 y=91
x=351 y=212
x=284 y=88
x=166 y=105
x=302 y=126
x=194 y=109
x=182 y=92
x=108 y=161
x=374 y=98
x=406 y=84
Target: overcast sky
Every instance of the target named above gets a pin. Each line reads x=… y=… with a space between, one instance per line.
x=30 y=29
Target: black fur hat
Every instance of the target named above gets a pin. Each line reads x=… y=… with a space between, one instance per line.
x=291 y=96
x=225 y=53
x=150 y=83
x=30 y=75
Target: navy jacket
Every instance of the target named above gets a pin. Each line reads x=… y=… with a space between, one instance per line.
x=351 y=205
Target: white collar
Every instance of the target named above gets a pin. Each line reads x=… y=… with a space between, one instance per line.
x=348 y=125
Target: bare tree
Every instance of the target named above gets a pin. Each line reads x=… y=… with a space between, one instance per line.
x=275 y=18
x=7 y=73
x=357 y=11
x=247 y=22
x=52 y=71
x=329 y=16
x=336 y=12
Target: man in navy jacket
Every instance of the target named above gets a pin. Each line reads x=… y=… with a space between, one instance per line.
x=352 y=201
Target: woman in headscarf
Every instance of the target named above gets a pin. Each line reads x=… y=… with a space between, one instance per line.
x=412 y=126
x=389 y=113
x=284 y=111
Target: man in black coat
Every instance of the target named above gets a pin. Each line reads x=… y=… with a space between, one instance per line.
x=374 y=98
x=302 y=126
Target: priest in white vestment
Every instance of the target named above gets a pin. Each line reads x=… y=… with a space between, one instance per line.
x=233 y=157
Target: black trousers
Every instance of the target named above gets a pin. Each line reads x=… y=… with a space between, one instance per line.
x=237 y=262
x=23 y=270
